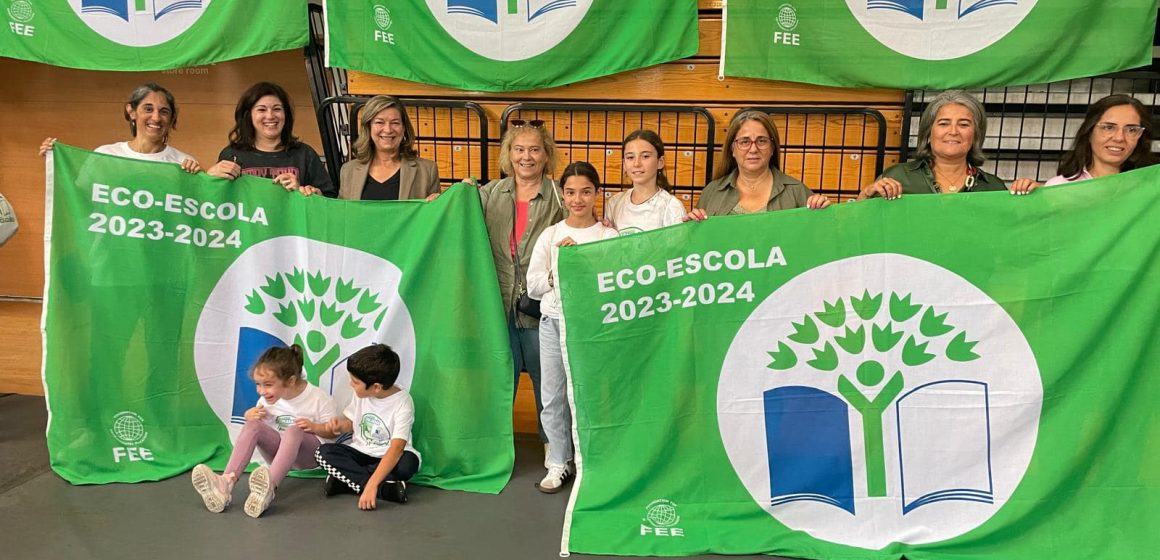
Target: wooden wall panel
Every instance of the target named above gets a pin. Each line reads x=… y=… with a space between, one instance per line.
x=20 y=353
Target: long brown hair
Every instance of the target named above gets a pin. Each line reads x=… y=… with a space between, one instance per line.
x=659 y=145
x=727 y=164
x=1080 y=156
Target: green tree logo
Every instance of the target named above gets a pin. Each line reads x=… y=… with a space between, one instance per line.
x=323 y=313
x=836 y=338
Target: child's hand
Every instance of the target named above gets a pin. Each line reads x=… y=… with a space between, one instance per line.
x=256 y=413
x=334 y=426
x=306 y=425
x=366 y=501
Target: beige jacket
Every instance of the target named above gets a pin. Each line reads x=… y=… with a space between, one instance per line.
x=420 y=177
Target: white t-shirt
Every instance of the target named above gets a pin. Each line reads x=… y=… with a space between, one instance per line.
x=378 y=421
x=168 y=155
x=544 y=258
x=660 y=210
x=312 y=404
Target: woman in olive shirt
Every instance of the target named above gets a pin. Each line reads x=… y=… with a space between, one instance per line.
x=748 y=178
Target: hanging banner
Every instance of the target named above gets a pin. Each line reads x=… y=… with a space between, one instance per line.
x=141 y=35
x=934 y=44
x=946 y=377
x=165 y=287
x=507 y=45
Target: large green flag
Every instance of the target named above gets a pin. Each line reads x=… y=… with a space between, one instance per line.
x=164 y=288
x=139 y=35
x=507 y=45
x=935 y=44
x=950 y=376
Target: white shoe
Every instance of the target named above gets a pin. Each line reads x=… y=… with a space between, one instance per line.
x=261 y=492
x=215 y=489
x=557 y=476
x=547 y=454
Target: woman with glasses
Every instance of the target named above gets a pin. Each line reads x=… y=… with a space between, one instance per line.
x=385 y=165
x=1114 y=137
x=748 y=179
x=950 y=150
x=516 y=209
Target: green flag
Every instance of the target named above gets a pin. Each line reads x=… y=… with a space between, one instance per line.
x=507 y=45
x=139 y=35
x=937 y=377
x=935 y=44
x=165 y=287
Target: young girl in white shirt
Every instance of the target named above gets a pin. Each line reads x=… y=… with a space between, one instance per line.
x=581 y=184
x=281 y=426
x=647 y=205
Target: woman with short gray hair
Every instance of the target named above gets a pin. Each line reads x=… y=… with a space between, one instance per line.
x=950 y=150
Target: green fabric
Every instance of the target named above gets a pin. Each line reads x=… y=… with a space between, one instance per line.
x=130 y=35
x=916 y=177
x=164 y=287
x=870 y=381
x=914 y=44
x=508 y=46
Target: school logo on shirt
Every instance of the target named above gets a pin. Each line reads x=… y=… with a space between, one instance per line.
x=139 y=23
x=509 y=30
x=330 y=300
x=921 y=28
x=373 y=430
x=854 y=410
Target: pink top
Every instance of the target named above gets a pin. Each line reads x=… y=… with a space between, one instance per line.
x=521 y=224
x=1060 y=179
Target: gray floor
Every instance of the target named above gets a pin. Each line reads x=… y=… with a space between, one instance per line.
x=42 y=516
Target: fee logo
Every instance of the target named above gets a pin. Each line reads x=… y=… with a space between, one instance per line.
x=139 y=23
x=880 y=399
x=919 y=28
x=509 y=30
x=332 y=302
x=129 y=429
x=661 y=519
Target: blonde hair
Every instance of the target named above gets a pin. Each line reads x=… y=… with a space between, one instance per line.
x=505 y=148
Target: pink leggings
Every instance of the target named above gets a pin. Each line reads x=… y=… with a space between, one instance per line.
x=292 y=448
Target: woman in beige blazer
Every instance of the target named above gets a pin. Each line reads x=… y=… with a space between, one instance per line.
x=385 y=165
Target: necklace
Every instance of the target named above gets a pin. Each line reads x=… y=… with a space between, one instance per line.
x=942 y=181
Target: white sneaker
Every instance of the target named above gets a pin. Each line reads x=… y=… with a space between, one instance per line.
x=547 y=454
x=215 y=489
x=557 y=476
x=261 y=492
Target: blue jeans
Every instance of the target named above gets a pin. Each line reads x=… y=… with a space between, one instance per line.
x=556 y=417
x=525 y=345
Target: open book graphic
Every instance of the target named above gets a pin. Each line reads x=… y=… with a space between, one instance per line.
x=807 y=434
x=944 y=444
x=489 y=9
x=121 y=8
x=915 y=7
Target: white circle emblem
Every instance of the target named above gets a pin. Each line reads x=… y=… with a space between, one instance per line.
x=123 y=23
x=334 y=301
x=879 y=399
x=925 y=31
x=494 y=30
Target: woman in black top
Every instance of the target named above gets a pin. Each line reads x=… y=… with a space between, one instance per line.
x=263 y=144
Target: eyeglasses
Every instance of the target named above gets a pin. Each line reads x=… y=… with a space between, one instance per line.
x=762 y=142
x=1109 y=129
x=520 y=123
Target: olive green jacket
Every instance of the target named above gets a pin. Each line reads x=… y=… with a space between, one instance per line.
x=499 y=215
x=916 y=177
x=720 y=197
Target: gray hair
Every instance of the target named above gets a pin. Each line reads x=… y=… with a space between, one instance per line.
x=926 y=123
x=139 y=94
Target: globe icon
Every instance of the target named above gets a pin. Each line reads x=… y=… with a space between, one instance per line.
x=662 y=515
x=382 y=17
x=787 y=17
x=127 y=428
x=21 y=11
